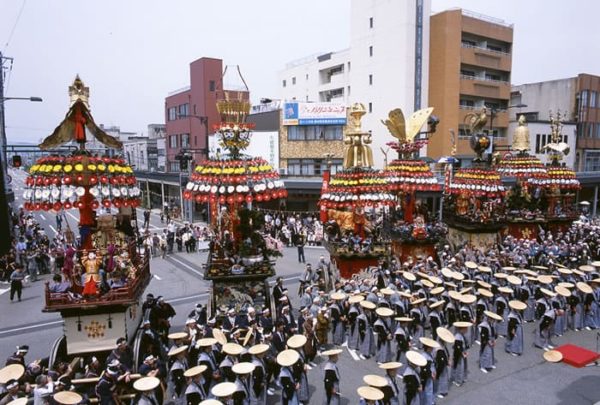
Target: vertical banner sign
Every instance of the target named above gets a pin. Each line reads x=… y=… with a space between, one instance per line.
x=323 y=208
x=447 y=178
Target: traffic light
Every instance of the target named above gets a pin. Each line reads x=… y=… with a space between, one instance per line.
x=16 y=161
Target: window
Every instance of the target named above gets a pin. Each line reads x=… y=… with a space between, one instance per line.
x=174 y=166
x=311 y=167
x=284 y=83
x=370 y=107
x=185 y=140
x=315 y=133
x=307 y=76
x=465 y=72
x=370 y=80
x=490 y=76
x=593 y=95
x=293 y=80
x=371 y=50
x=370 y=22
x=211 y=85
x=495 y=48
x=172 y=113
x=468 y=43
x=348 y=91
x=349 y=65
x=183 y=110
x=172 y=141
x=584 y=98
x=467 y=103
x=537 y=143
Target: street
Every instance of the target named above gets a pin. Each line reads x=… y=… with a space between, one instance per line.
x=527 y=379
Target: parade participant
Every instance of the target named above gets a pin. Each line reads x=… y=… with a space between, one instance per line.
x=176 y=382
x=545 y=324
x=595 y=283
x=232 y=351
x=122 y=353
x=501 y=309
x=370 y=396
x=514 y=339
x=588 y=301
x=402 y=338
x=436 y=317
x=195 y=392
x=487 y=333
x=149 y=367
x=211 y=373
x=460 y=353
x=145 y=387
x=300 y=368
x=442 y=362
x=288 y=320
x=482 y=305
x=467 y=315
x=411 y=378
x=106 y=388
x=428 y=372
x=338 y=319
x=383 y=328
x=391 y=391
x=322 y=328
x=13 y=392
x=16 y=282
x=310 y=348
x=193 y=333
x=224 y=392
x=367 y=342
x=560 y=323
x=18 y=357
x=67 y=398
x=289 y=389
x=418 y=317
x=332 y=377
x=353 y=313
x=259 y=385
x=244 y=394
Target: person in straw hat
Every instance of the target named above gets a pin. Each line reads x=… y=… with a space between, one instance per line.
x=514 y=338
x=176 y=382
x=589 y=306
x=418 y=316
x=501 y=308
x=441 y=357
x=370 y=396
x=365 y=330
x=428 y=372
x=467 y=314
x=487 y=334
x=436 y=317
x=212 y=374
x=338 y=319
x=289 y=393
x=244 y=394
x=259 y=380
x=383 y=328
x=393 y=390
x=595 y=283
x=332 y=377
x=411 y=378
x=353 y=313
x=232 y=351
x=402 y=337
x=545 y=325
x=560 y=323
x=145 y=387
x=195 y=391
x=460 y=353
x=13 y=391
x=575 y=310
x=224 y=392
x=300 y=368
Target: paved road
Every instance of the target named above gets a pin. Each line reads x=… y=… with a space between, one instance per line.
x=517 y=380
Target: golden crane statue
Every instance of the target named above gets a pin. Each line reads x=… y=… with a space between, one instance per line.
x=77 y=120
x=476 y=121
x=403 y=130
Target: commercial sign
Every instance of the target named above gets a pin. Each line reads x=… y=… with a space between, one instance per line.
x=295 y=113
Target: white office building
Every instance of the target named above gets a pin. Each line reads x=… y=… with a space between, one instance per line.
x=385 y=67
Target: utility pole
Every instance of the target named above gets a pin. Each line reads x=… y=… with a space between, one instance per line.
x=5 y=221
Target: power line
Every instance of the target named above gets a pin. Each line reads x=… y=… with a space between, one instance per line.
x=12 y=31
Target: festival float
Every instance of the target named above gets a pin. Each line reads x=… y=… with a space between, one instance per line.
x=99 y=306
x=411 y=229
x=240 y=257
x=356 y=200
x=558 y=189
x=473 y=202
x=524 y=215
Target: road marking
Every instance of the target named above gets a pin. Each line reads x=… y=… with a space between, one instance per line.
x=3 y=290
x=175 y=300
x=353 y=354
x=185 y=265
x=43 y=217
x=156 y=277
x=37 y=325
x=72 y=216
x=55 y=231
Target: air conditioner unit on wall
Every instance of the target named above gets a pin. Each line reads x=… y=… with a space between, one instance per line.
x=283 y=171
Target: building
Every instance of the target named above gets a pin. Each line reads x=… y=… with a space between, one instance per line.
x=470 y=59
x=141 y=153
x=156 y=131
x=576 y=97
x=190 y=112
x=385 y=67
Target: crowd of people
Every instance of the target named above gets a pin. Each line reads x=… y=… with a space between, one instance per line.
x=293 y=229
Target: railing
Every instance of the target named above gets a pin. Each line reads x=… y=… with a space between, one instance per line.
x=481 y=48
x=179 y=90
x=483 y=17
x=484 y=79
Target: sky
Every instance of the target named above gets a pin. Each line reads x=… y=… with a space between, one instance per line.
x=132 y=53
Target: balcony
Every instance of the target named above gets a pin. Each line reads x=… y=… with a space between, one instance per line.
x=482 y=87
x=479 y=56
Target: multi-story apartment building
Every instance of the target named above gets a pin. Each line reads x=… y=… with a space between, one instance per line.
x=385 y=67
x=470 y=59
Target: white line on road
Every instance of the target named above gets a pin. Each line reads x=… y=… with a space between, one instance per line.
x=55 y=231
x=156 y=277
x=43 y=217
x=3 y=290
x=72 y=216
x=186 y=266
x=37 y=325
x=175 y=300
x=353 y=354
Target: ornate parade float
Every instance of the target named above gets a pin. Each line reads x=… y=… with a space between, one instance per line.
x=523 y=201
x=240 y=256
x=105 y=274
x=558 y=188
x=356 y=200
x=473 y=202
x=411 y=226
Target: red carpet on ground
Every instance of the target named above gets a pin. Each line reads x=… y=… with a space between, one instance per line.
x=577 y=356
